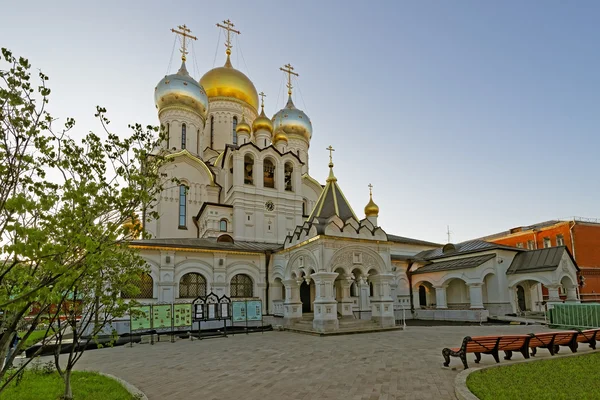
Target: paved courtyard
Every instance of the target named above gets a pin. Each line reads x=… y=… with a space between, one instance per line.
x=284 y=365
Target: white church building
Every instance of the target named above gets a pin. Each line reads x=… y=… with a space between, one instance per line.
x=249 y=221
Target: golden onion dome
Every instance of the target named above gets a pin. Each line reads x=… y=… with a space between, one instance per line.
x=243 y=127
x=371 y=209
x=293 y=121
x=280 y=135
x=262 y=122
x=181 y=91
x=228 y=82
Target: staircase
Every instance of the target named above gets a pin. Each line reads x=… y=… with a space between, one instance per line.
x=346 y=325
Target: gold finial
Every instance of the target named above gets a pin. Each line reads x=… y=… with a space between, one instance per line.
x=185 y=34
x=228 y=26
x=262 y=99
x=288 y=69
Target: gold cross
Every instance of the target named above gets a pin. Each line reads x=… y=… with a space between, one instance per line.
x=331 y=149
x=262 y=99
x=370 y=190
x=228 y=26
x=288 y=69
x=185 y=34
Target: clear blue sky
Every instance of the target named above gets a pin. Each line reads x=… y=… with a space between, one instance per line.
x=478 y=115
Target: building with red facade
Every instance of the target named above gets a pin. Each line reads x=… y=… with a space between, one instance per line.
x=580 y=235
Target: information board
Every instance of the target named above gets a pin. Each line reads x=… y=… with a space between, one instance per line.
x=161 y=316
x=254 y=310
x=141 y=320
x=183 y=315
x=239 y=311
x=224 y=312
x=198 y=312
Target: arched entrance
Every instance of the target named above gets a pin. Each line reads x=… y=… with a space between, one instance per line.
x=305 y=297
x=422 y=296
x=521 y=298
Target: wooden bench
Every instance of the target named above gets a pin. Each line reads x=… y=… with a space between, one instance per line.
x=553 y=340
x=488 y=345
x=590 y=336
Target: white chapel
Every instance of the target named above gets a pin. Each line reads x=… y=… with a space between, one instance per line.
x=249 y=221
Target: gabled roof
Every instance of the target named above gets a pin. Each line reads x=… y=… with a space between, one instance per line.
x=332 y=201
x=460 y=263
x=407 y=240
x=547 y=259
x=471 y=246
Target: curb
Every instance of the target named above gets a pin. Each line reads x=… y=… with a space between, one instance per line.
x=462 y=392
x=128 y=386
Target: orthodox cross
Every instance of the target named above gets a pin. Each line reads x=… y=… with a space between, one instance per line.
x=262 y=99
x=370 y=190
x=331 y=149
x=228 y=26
x=288 y=69
x=185 y=34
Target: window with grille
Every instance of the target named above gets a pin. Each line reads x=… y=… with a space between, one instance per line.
x=241 y=286
x=212 y=131
x=182 y=205
x=146 y=286
x=183 y=138
x=234 y=132
x=192 y=285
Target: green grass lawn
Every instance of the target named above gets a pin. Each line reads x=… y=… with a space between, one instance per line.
x=35 y=337
x=561 y=378
x=38 y=385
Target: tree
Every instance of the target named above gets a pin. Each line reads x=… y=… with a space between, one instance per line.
x=64 y=209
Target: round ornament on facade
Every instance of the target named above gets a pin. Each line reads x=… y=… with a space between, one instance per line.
x=269 y=205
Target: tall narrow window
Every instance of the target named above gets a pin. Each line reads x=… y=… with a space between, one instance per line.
x=269 y=173
x=168 y=135
x=560 y=240
x=547 y=242
x=182 y=205
x=288 y=173
x=234 y=132
x=183 y=136
x=223 y=225
x=212 y=131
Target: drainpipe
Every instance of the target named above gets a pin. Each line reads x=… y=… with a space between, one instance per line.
x=267 y=262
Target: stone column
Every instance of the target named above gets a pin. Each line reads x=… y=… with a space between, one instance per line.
x=325 y=304
x=572 y=294
x=476 y=295
x=346 y=301
x=292 y=307
x=440 y=297
x=553 y=294
x=382 y=304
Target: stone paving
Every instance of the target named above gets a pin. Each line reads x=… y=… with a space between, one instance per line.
x=285 y=365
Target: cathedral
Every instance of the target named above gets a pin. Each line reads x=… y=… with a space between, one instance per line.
x=248 y=221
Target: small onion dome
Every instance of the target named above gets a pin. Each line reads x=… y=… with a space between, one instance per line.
x=133 y=227
x=280 y=135
x=371 y=209
x=243 y=127
x=293 y=121
x=262 y=122
x=181 y=91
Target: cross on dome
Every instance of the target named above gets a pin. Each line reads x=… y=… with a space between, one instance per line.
x=228 y=26
x=262 y=99
x=331 y=150
x=289 y=70
x=184 y=32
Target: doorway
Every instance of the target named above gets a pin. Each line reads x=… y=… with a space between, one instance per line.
x=422 y=296
x=521 y=298
x=305 y=297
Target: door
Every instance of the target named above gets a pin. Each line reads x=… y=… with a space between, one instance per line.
x=305 y=297
x=521 y=298
x=422 y=296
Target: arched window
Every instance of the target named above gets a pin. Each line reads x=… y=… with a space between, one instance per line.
x=241 y=286
x=353 y=290
x=192 y=285
x=212 y=130
x=269 y=173
x=146 y=289
x=223 y=225
x=371 y=289
x=288 y=172
x=305 y=208
x=183 y=134
x=234 y=132
x=182 y=205
x=248 y=169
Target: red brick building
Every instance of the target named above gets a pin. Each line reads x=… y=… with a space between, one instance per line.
x=581 y=236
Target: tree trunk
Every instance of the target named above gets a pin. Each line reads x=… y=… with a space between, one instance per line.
x=68 y=391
